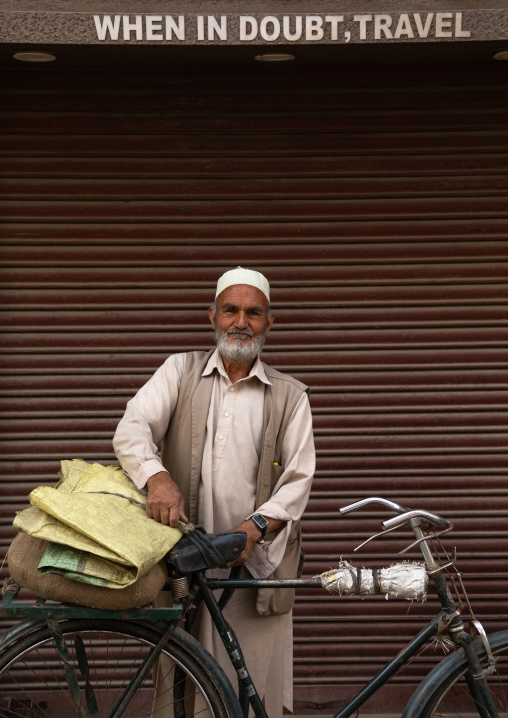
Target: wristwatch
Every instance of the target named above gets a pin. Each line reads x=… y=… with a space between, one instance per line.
x=262 y=525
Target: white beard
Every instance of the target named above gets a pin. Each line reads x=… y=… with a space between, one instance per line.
x=237 y=350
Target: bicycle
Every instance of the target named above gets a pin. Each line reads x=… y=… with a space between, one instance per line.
x=91 y=663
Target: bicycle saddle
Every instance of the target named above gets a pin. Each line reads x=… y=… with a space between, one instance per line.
x=198 y=550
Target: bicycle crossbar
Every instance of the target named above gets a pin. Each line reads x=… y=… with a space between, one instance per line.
x=215 y=583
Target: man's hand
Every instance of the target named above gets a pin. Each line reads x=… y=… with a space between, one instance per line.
x=164 y=502
x=253 y=535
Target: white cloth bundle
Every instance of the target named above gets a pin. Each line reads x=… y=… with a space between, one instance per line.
x=405 y=580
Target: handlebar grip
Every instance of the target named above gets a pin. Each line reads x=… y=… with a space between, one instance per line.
x=375 y=500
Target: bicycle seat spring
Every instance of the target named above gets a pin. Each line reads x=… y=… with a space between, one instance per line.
x=179 y=587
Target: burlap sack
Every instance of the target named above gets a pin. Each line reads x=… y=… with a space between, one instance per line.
x=23 y=558
x=97 y=509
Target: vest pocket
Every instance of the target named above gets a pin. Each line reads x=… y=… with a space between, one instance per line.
x=276 y=601
x=276 y=471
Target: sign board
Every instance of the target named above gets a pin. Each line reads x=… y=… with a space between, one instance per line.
x=254 y=28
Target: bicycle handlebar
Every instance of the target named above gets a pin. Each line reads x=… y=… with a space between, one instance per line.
x=405 y=514
x=398 y=508
x=427 y=516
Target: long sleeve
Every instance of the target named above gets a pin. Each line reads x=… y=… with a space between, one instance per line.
x=291 y=493
x=146 y=420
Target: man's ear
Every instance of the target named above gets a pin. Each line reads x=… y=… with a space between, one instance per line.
x=210 y=316
x=270 y=322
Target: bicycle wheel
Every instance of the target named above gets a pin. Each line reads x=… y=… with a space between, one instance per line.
x=33 y=680
x=445 y=693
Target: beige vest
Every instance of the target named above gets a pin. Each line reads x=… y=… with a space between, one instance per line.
x=182 y=455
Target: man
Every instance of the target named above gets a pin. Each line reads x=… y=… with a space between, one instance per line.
x=237 y=453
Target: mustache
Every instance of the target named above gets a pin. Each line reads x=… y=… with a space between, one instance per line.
x=242 y=332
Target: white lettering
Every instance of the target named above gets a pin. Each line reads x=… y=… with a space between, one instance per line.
x=245 y=34
x=443 y=19
x=137 y=26
x=201 y=27
x=363 y=20
x=334 y=22
x=459 y=32
x=215 y=29
x=314 y=28
x=286 y=28
x=263 y=31
x=153 y=23
x=404 y=27
x=173 y=28
x=382 y=25
x=113 y=27
x=423 y=30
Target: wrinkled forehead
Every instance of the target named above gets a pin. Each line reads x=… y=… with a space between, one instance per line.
x=242 y=296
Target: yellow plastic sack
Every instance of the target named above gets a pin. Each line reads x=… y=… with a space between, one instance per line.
x=97 y=509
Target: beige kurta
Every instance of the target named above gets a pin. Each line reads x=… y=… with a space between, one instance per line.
x=230 y=464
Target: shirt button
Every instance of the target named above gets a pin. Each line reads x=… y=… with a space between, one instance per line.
x=226 y=414
x=232 y=388
x=220 y=436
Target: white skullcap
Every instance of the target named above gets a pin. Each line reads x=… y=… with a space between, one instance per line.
x=240 y=275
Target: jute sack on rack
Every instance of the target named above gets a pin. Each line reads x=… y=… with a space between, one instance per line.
x=25 y=554
x=97 y=511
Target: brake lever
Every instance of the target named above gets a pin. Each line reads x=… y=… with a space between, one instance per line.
x=427 y=538
x=382 y=533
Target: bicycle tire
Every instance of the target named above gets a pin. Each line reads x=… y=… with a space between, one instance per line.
x=444 y=691
x=32 y=676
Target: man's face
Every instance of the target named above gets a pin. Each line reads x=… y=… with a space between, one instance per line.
x=240 y=322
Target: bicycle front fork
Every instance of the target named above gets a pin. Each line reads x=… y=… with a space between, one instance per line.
x=476 y=678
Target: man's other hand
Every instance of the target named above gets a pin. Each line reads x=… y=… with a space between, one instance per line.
x=253 y=534
x=164 y=502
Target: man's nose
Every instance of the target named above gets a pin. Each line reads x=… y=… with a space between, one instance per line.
x=241 y=320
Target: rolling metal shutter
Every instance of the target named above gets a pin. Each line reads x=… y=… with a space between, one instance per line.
x=375 y=204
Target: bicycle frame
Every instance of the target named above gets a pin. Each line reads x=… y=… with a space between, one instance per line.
x=207 y=586
x=449 y=617
x=202 y=589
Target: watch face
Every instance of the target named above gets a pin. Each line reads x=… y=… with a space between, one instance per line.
x=260 y=521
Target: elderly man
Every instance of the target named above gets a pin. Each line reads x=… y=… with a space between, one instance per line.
x=237 y=453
